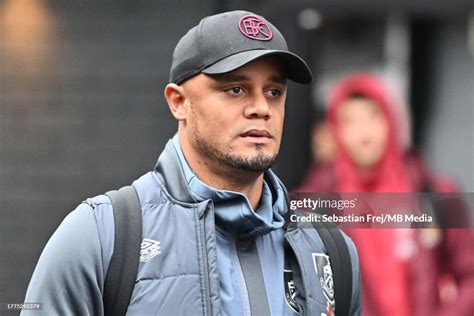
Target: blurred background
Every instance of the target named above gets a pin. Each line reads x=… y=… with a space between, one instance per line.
x=82 y=108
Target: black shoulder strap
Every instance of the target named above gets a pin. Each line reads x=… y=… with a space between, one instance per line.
x=123 y=268
x=339 y=257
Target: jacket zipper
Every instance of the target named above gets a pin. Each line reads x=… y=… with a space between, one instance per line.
x=207 y=290
x=302 y=276
x=241 y=279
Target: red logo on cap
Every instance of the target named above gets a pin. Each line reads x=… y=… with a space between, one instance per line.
x=255 y=28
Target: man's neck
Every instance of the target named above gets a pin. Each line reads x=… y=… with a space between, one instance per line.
x=249 y=185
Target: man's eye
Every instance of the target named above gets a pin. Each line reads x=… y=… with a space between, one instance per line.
x=274 y=93
x=235 y=90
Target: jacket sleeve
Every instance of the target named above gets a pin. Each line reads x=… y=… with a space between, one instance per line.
x=68 y=278
x=459 y=262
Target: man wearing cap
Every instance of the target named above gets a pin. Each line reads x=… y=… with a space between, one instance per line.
x=212 y=210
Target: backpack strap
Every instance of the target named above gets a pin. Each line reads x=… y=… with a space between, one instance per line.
x=123 y=268
x=340 y=259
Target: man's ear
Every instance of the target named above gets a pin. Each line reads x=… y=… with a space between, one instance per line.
x=176 y=98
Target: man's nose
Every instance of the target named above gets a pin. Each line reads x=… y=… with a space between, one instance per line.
x=258 y=107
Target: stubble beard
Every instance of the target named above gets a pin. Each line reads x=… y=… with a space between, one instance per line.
x=257 y=163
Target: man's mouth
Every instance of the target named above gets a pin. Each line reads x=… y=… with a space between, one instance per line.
x=258 y=136
x=257 y=133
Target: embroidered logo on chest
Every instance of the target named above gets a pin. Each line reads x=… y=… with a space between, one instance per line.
x=149 y=248
x=290 y=290
x=324 y=272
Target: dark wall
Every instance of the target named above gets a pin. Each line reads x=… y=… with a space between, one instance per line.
x=82 y=111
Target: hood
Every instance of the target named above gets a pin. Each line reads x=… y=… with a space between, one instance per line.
x=389 y=175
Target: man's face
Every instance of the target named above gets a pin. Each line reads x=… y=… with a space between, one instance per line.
x=236 y=119
x=363 y=129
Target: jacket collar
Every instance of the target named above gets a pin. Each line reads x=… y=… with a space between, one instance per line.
x=169 y=171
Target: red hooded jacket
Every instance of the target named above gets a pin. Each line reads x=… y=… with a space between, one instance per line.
x=433 y=279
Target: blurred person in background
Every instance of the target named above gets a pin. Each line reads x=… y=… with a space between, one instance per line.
x=404 y=271
x=322 y=143
x=323 y=150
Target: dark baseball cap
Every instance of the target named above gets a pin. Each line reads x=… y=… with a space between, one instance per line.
x=224 y=42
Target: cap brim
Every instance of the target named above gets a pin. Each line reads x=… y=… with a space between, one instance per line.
x=296 y=68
